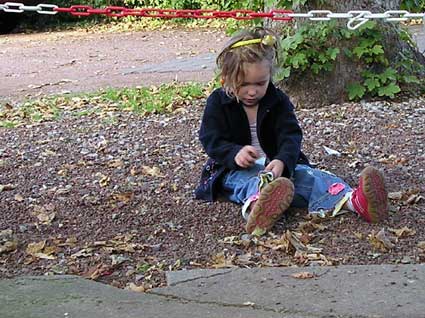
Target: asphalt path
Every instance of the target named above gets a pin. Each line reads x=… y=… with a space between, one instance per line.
x=39 y=64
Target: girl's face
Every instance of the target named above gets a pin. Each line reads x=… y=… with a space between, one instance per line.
x=255 y=83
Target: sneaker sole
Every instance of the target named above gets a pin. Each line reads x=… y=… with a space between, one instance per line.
x=274 y=199
x=376 y=194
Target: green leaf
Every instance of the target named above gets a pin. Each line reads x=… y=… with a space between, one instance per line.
x=359 y=51
x=298 y=60
x=348 y=53
x=315 y=68
x=411 y=79
x=355 y=90
x=8 y=124
x=371 y=84
x=346 y=33
x=390 y=90
x=322 y=58
x=282 y=74
x=292 y=42
x=377 y=49
x=370 y=25
x=143 y=267
x=258 y=232
x=390 y=74
x=332 y=52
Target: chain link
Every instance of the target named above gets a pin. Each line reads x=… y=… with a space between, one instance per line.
x=16 y=7
x=356 y=18
x=30 y=8
x=47 y=9
x=9 y=7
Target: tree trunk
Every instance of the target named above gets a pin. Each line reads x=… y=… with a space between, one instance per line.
x=310 y=90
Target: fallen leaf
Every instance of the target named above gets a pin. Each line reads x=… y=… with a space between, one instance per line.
x=8 y=246
x=358 y=235
x=62 y=172
x=6 y=233
x=309 y=227
x=124 y=197
x=104 y=180
x=245 y=259
x=414 y=198
x=34 y=248
x=44 y=214
x=134 y=171
x=231 y=240
x=220 y=261
x=102 y=145
x=8 y=107
x=381 y=241
x=6 y=187
x=421 y=245
x=71 y=242
x=116 y=163
x=395 y=195
x=44 y=256
x=135 y=288
x=303 y=275
x=99 y=271
x=19 y=198
x=40 y=250
x=118 y=259
x=152 y=171
x=403 y=232
x=85 y=252
x=49 y=153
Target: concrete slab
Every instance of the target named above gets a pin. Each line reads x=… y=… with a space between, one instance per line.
x=183 y=276
x=74 y=297
x=345 y=291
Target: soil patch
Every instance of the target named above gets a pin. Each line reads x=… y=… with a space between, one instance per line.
x=110 y=196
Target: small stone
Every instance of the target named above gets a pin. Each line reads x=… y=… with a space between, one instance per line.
x=406 y=260
x=246 y=237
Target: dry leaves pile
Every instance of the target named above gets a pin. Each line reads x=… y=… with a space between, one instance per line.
x=109 y=196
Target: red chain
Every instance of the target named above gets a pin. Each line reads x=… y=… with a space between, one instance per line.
x=111 y=11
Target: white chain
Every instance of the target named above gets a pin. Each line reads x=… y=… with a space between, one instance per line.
x=356 y=18
x=16 y=7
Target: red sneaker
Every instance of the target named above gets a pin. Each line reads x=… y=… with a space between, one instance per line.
x=273 y=200
x=370 y=199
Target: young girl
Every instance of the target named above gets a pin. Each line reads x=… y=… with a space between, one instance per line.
x=252 y=137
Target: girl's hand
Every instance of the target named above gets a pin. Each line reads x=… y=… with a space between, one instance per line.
x=246 y=156
x=276 y=166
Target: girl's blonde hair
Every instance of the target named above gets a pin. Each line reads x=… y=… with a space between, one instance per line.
x=233 y=58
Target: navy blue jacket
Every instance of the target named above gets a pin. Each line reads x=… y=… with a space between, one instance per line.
x=225 y=130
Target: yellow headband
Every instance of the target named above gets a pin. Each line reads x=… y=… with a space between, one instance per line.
x=269 y=40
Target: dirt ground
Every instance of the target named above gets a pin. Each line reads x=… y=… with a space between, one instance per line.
x=109 y=195
x=32 y=65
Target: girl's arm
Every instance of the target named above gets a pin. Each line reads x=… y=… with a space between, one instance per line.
x=289 y=137
x=215 y=134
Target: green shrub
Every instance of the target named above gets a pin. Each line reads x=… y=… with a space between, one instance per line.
x=314 y=48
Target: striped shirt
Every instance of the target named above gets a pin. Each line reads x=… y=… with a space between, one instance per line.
x=254 y=140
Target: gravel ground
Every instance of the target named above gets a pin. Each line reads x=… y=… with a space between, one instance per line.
x=109 y=196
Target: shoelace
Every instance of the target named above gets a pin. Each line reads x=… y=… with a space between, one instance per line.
x=265 y=178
